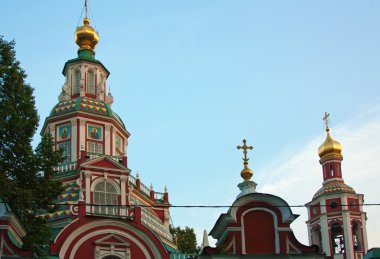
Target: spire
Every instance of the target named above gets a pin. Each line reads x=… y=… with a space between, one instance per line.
x=246 y=173
x=86 y=37
x=205 y=239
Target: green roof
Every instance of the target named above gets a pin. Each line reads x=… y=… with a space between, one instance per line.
x=85 y=104
x=373 y=253
x=85 y=55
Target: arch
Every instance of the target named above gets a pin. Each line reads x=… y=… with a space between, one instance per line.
x=357 y=239
x=287 y=215
x=110 y=226
x=275 y=228
x=111 y=257
x=337 y=238
x=90 y=82
x=106 y=194
x=316 y=236
x=77 y=78
x=110 y=180
x=335 y=221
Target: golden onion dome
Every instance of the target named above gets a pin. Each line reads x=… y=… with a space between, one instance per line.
x=85 y=36
x=246 y=173
x=330 y=147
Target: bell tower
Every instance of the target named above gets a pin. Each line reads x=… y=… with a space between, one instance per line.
x=337 y=222
x=83 y=123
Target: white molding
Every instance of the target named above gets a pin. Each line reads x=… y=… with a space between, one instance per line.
x=105 y=231
x=108 y=224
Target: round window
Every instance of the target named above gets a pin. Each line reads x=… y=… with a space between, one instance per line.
x=333 y=205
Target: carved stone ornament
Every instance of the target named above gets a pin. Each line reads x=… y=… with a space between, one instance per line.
x=64 y=95
x=123 y=178
x=87 y=174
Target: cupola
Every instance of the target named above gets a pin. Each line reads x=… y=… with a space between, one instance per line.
x=330 y=147
x=86 y=37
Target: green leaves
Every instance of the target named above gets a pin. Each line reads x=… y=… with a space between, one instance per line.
x=186 y=239
x=25 y=175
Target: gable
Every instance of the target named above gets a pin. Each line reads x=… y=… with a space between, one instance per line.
x=112 y=239
x=105 y=163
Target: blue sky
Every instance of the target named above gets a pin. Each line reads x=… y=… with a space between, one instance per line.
x=191 y=79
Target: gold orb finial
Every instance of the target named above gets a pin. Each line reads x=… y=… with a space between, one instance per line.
x=246 y=173
x=85 y=36
x=330 y=147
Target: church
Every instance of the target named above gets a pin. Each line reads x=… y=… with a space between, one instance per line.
x=106 y=212
x=259 y=224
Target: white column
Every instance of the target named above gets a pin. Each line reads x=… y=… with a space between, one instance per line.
x=364 y=232
x=82 y=134
x=88 y=190
x=325 y=235
x=73 y=145
x=107 y=140
x=309 y=233
x=123 y=179
x=347 y=229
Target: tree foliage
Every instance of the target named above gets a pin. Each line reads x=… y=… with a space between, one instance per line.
x=25 y=174
x=186 y=239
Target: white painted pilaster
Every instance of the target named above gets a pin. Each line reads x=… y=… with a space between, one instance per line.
x=347 y=230
x=107 y=139
x=123 y=197
x=73 y=145
x=88 y=190
x=325 y=235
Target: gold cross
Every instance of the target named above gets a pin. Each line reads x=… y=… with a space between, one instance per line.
x=245 y=148
x=326 y=119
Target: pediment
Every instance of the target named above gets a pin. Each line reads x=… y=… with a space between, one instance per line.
x=112 y=239
x=104 y=162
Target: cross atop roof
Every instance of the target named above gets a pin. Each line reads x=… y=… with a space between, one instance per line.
x=326 y=119
x=245 y=148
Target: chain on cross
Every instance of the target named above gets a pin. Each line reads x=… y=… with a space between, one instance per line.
x=245 y=148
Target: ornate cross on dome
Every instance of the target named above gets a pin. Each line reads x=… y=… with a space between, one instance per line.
x=326 y=119
x=245 y=148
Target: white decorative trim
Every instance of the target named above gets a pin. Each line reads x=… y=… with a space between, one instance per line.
x=63 y=229
x=110 y=180
x=106 y=231
x=288 y=245
x=107 y=223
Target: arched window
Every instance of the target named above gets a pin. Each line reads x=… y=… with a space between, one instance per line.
x=337 y=238
x=90 y=82
x=106 y=194
x=316 y=237
x=77 y=82
x=356 y=236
